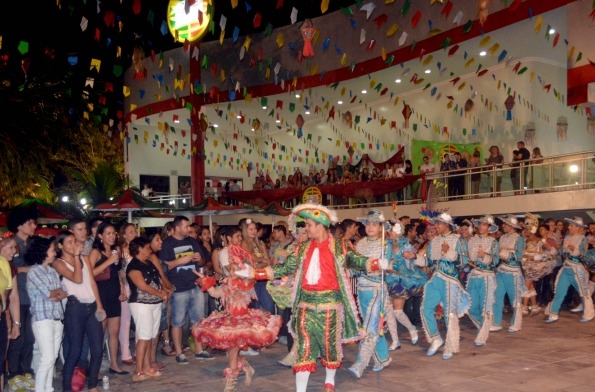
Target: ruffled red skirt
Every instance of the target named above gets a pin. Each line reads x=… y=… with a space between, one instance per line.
x=256 y=328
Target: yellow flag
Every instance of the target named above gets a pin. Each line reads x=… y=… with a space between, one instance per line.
x=383 y=53
x=221 y=37
x=470 y=62
x=234 y=4
x=485 y=40
x=247 y=42
x=324 y=6
x=279 y=40
x=344 y=59
x=538 y=24
x=126 y=91
x=392 y=30
x=95 y=63
x=428 y=59
x=494 y=48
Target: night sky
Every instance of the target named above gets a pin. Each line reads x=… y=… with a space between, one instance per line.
x=56 y=39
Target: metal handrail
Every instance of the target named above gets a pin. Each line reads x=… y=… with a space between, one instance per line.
x=548 y=174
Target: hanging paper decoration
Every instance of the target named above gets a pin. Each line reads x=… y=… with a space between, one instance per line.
x=407 y=114
x=530 y=133
x=484 y=11
x=509 y=104
x=308 y=32
x=562 y=127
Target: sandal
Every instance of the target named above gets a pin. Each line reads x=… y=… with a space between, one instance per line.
x=168 y=353
x=154 y=373
x=140 y=376
x=157 y=365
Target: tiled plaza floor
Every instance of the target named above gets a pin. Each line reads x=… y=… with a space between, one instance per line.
x=542 y=357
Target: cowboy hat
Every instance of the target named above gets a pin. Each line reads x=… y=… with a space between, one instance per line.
x=488 y=220
x=576 y=220
x=316 y=212
x=511 y=221
x=445 y=218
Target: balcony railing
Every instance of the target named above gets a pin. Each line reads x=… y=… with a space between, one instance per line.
x=551 y=174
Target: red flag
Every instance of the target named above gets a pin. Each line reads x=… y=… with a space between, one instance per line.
x=279 y=104
x=446 y=9
x=515 y=4
x=279 y=4
x=257 y=20
x=415 y=18
x=453 y=50
x=136 y=6
x=380 y=20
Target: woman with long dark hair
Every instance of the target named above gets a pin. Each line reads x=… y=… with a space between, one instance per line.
x=105 y=260
x=82 y=311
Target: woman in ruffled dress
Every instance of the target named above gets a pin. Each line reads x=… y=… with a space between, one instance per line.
x=237 y=327
x=539 y=260
x=408 y=279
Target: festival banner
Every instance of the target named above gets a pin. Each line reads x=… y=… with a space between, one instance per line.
x=435 y=150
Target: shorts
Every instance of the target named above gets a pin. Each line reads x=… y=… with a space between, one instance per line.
x=191 y=302
x=146 y=320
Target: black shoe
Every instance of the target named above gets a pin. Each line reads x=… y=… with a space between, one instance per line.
x=121 y=372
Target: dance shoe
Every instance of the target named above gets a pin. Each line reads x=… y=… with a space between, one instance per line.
x=436 y=344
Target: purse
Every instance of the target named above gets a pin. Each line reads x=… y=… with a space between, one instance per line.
x=79 y=379
x=104 y=275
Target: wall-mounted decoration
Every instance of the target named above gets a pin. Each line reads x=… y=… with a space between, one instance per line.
x=530 y=133
x=562 y=127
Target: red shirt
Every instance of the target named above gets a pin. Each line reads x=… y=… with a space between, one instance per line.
x=328 y=273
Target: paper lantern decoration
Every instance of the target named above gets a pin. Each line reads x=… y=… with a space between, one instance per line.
x=348 y=118
x=484 y=10
x=188 y=26
x=299 y=121
x=255 y=125
x=406 y=114
x=591 y=124
x=308 y=32
x=530 y=134
x=562 y=127
x=350 y=152
x=509 y=104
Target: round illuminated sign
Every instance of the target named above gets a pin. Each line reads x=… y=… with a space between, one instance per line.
x=191 y=23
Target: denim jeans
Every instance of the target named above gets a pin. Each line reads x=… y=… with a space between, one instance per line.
x=78 y=319
x=191 y=302
x=264 y=299
x=20 y=350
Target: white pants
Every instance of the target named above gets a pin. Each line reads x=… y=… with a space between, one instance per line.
x=48 y=336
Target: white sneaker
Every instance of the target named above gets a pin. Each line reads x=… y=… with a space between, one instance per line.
x=578 y=309
x=446 y=355
x=436 y=344
x=250 y=352
x=513 y=330
x=495 y=328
